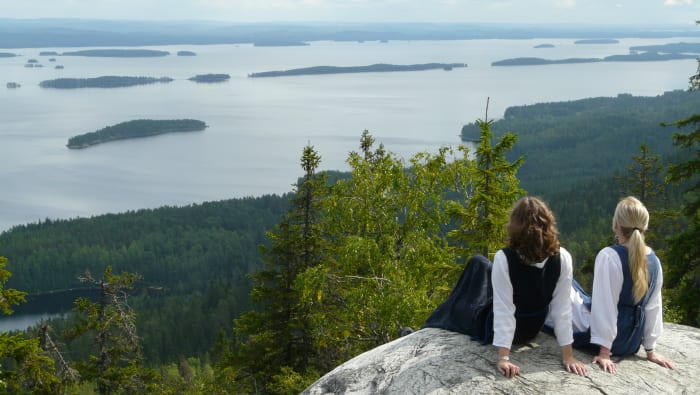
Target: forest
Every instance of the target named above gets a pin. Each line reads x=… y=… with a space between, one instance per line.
x=265 y=295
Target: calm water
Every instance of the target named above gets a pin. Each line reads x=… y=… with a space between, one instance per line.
x=258 y=127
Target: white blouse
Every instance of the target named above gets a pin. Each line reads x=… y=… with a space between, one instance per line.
x=504 y=309
x=607 y=284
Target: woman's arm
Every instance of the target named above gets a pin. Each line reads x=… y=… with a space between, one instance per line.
x=503 y=307
x=607 y=284
x=560 y=306
x=653 y=324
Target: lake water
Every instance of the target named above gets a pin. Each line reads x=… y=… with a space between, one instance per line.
x=259 y=126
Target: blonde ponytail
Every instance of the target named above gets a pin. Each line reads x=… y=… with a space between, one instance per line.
x=633 y=218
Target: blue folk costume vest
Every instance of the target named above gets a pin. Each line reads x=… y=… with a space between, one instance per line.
x=469 y=308
x=631 y=316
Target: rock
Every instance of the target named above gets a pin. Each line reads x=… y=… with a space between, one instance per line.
x=435 y=361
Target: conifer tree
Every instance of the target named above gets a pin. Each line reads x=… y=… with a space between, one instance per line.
x=483 y=218
x=275 y=341
x=25 y=368
x=684 y=248
x=386 y=260
x=117 y=364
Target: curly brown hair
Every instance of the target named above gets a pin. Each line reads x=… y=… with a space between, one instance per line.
x=532 y=230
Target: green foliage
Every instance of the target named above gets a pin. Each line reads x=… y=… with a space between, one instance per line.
x=278 y=333
x=24 y=366
x=684 y=248
x=572 y=143
x=116 y=365
x=482 y=221
x=387 y=263
x=194 y=261
x=135 y=128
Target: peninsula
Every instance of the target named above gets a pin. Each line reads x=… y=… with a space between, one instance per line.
x=597 y=41
x=374 y=68
x=135 y=129
x=108 y=81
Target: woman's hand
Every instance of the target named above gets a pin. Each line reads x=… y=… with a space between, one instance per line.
x=658 y=359
x=605 y=363
x=575 y=366
x=507 y=368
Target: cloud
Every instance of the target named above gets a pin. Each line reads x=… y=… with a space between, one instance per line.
x=672 y=3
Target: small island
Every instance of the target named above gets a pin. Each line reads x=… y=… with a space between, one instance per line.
x=101 y=82
x=544 y=46
x=118 y=53
x=374 y=68
x=209 y=78
x=7 y=55
x=597 y=41
x=186 y=53
x=540 y=61
x=135 y=129
x=48 y=53
x=13 y=85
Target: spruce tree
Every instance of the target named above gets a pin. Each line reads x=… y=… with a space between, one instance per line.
x=274 y=340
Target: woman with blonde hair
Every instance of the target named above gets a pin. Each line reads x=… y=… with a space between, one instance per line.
x=626 y=307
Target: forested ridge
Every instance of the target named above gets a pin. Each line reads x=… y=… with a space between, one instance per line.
x=264 y=295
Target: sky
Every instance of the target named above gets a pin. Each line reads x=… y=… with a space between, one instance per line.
x=627 y=12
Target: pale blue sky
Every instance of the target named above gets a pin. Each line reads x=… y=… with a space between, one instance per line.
x=636 y=12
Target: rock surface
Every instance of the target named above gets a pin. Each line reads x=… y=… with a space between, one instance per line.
x=434 y=361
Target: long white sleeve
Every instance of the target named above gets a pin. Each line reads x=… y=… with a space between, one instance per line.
x=560 y=306
x=504 y=308
x=607 y=284
x=653 y=324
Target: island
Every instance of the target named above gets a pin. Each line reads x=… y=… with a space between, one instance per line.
x=101 y=82
x=208 y=78
x=374 y=68
x=7 y=55
x=13 y=85
x=59 y=67
x=135 y=129
x=669 y=48
x=118 y=53
x=632 y=57
x=48 y=53
x=597 y=41
x=544 y=46
x=186 y=53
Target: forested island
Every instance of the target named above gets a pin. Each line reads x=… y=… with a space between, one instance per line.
x=7 y=55
x=118 y=53
x=109 y=81
x=279 y=43
x=186 y=53
x=210 y=78
x=374 y=68
x=48 y=53
x=633 y=57
x=135 y=129
x=544 y=46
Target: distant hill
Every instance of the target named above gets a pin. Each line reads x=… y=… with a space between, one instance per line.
x=46 y=33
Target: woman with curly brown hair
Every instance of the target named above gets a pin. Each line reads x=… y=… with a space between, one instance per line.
x=530 y=280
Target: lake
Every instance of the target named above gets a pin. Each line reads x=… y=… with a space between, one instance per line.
x=259 y=126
